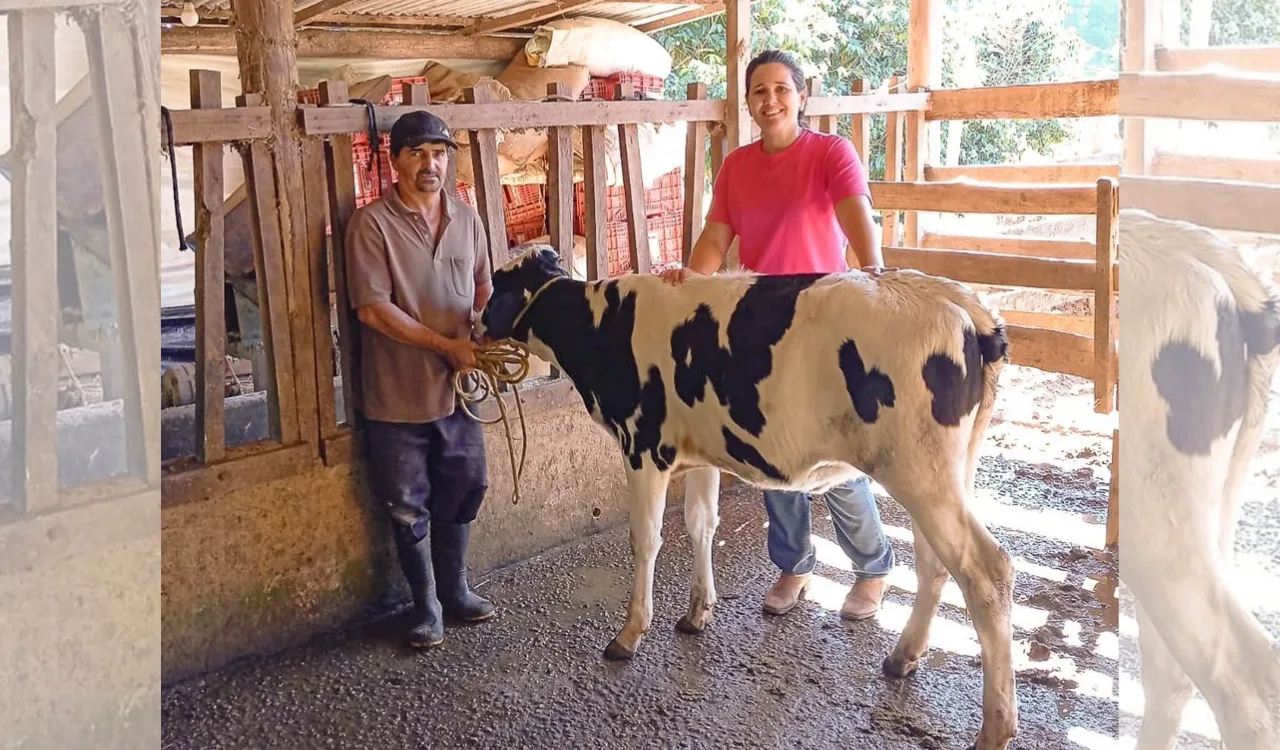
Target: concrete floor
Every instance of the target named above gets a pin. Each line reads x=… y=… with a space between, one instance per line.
x=534 y=678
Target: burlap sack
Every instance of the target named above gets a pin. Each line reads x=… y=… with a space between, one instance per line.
x=530 y=83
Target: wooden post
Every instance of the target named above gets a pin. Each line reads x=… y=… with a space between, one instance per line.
x=695 y=175
x=737 y=55
x=340 y=172
x=317 y=203
x=633 y=188
x=560 y=183
x=265 y=48
x=860 y=135
x=417 y=95
x=595 y=179
x=131 y=227
x=211 y=316
x=924 y=70
x=892 y=166
x=1142 y=23
x=1105 y=332
x=34 y=259
x=484 y=164
x=1113 y=497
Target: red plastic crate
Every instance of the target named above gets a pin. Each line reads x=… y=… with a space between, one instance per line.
x=666 y=234
x=666 y=196
x=605 y=87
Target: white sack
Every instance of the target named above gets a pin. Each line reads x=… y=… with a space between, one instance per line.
x=606 y=47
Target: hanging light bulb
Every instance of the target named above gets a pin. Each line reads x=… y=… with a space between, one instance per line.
x=189 y=15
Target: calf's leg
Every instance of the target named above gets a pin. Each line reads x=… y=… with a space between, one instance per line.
x=702 y=517
x=1165 y=688
x=648 y=490
x=931 y=576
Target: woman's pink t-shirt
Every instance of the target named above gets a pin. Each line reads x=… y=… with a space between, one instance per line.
x=782 y=206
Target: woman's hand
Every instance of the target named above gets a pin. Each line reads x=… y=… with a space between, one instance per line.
x=676 y=276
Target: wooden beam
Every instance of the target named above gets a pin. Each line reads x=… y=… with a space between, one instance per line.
x=560 y=184
x=192 y=126
x=1242 y=169
x=419 y=22
x=963 y=197
x=872 y=103
x=892 y=166
x=1081 y=325
x=1256 y=58
x=340 y=174
x=133 y=233
x=529 y=17
x=1035 y=101
x=34 y=260
x=595 y=180
x=1143 y=25
x=1029 y=246
x=517 y=115
x=211 y=315
x=1106 y=321
x=737 y=54
x=1051 y=351
x=1220 y=204
x=316 y=204
x=1083 y=173
x=382 y=44
x=996 y=270
x=320 y=8
x=680 y=19
x=695 y=175
x=484 y=160
x=924 y=72
x=860 y=131
x=1201 y=96
x=633 y=190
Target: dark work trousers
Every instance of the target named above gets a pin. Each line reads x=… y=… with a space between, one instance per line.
x=425 y=472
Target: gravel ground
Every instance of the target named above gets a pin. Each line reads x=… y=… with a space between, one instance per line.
x=533 y=677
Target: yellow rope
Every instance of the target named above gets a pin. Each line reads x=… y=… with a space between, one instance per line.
x=504 y=361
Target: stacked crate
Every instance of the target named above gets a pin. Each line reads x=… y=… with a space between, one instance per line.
x=664 y=214
x=604 y=87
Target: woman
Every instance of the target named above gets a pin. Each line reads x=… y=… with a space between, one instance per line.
x=793 y=199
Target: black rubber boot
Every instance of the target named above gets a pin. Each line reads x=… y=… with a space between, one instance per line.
x=449 y=551
x=427 y=630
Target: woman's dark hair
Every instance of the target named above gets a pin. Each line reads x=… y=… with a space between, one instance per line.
x=778 y=56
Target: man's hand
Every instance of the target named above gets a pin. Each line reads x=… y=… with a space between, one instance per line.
x=461 y=353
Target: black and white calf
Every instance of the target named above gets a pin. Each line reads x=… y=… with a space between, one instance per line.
x=798 y=382
x=1200 y=344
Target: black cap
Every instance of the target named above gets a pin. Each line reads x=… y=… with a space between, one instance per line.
x=417 y=128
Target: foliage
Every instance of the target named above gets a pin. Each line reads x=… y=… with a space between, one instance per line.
x=985 y=43
x=1239 y=22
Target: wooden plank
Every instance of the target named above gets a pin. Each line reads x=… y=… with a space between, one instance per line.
x=695 y=176
x=245 y=466
x=1088 y=172
x=719 y=148
x=1078 y=324
x=530 y=17
x=962 y=197
x=484 y=160
x=312 y=11
x=1106 y=322
x=417 y=95
x=997 y=270
x=595 y=179
x=1037 y=101
x=1220 y=204
x=860 y=134
x=1037 y=248
x=892 y=165
x=211 y=315
x=268 y=263
x=1238 y=168
x=869 y=103
x=560 y=184
x=1201 y=96
x=133 y=234
x=924 y=72
x=191 y=126
x=34 y=260
x=383 y=44
x=1249 y=58
x=317 y=201
x=633 y=190
x=737 y=116
x=680 y=19
x=516 y=115
x=1113 y=496
x=1051 y=351
x=340 y=174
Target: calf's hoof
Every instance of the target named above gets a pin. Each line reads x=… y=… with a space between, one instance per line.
x=686 y=624
x=615 y=651
x=899 y=666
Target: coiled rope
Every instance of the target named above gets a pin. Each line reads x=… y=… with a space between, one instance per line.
x=505 y=361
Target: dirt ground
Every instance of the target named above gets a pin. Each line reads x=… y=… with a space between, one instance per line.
x=533 y=677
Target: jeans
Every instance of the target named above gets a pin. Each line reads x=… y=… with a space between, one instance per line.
x=858 y=529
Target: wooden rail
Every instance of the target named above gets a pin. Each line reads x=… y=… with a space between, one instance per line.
x=1037 y=101
x=1201 y=96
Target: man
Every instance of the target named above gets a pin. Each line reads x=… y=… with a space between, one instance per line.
x=418 y=274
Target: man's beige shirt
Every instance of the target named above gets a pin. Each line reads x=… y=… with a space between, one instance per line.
x=391 y=257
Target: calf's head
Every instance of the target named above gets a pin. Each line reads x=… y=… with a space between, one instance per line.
x=514 y=286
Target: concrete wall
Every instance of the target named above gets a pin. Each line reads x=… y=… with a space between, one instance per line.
x=255 y=570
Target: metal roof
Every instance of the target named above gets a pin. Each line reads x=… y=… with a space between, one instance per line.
x=457 y=14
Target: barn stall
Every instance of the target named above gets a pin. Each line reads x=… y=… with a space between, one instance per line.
x=273 y=550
